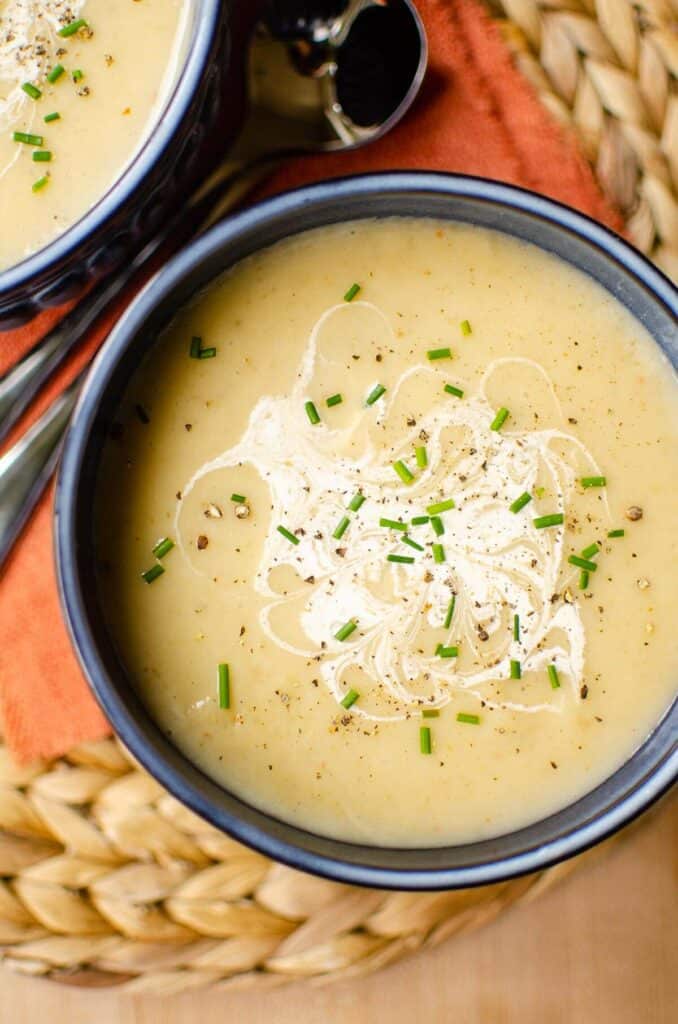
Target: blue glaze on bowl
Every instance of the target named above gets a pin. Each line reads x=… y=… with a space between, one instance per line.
x=575 y=238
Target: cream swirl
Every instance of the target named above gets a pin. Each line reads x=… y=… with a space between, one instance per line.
x=497 y=563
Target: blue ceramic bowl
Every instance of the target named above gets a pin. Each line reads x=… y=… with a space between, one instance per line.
x=575 y=239
x=172 y=158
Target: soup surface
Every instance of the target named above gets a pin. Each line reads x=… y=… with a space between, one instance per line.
x=107 y=80
x=409 y=653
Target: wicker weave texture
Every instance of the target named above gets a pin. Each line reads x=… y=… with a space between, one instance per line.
x=608 y=70
x=108 y=880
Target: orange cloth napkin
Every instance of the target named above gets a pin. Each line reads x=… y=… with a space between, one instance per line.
x=476 y=115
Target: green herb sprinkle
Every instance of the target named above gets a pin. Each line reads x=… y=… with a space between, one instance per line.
x=468 y=719
x=312 y=413
x=500 y=419
x=224 y=686
x=520 y=502
x=543 y=522
x=163 y=547
x=287 y=535
x=375 y=394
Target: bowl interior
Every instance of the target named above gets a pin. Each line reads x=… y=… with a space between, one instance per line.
x=574 y=238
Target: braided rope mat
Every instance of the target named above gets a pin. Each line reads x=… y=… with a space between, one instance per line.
x=607 y=69
x=104 y=878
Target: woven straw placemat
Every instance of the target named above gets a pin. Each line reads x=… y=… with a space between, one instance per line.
x=107 y=880
x=607 y=69
x=104 y=878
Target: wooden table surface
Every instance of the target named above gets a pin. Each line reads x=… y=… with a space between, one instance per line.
x=602 y=946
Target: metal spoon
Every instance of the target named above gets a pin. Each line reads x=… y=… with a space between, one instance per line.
x=302 y=98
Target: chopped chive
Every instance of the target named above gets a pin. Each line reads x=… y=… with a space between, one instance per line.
x=163 y=547
x=452 y=390
x=356 y=501
x=393 y=524
x=77 y=75
x=437 y=524
x=516 y=627
x=421 y=456
x=38 y=185
x=500 y=419
x=403 y=472
x=420 y=520
x=196 y=346
x=439 y=353
x=312 y=413
x=350 y=699
x=153 y=573
x=287 y=535
x=412 y=543
x=333 y=400
x=400 y=559
x=239 y=499
x=593 y=481
x=516 y=671
x=341 y=528
x=430 y=713
x=582 y=563
x=207 y=353
x=450 y=612
x=468 y=719
x=42 y=156
x=346 y=630
x=553 y=677
x=72 y=28
x=440 y=506
x=438 y=553
x=447 y=652
x=351 y=293
x=583 y=579
x=540 y=492
x=616 y=533
x=555 y=519
x=591 y=550
x=224 y=677
x=55 y=74
x=31 y=90
x=375 y=394
x=520 y=502
x=48 y=118
x=142 y=414
x=28 y=139
x=465 y=327
x=425 y=739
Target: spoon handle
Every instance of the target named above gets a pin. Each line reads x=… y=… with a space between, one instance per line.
x=22 y=383
x=28 y=465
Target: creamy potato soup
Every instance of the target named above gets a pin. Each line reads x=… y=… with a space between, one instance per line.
x=386 y=533
x=81 y=84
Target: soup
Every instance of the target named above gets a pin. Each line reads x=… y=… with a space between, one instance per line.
x=82 y=83
x=384 y=535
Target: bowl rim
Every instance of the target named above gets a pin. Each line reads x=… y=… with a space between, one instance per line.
x=262 y=831
x=153 y=145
